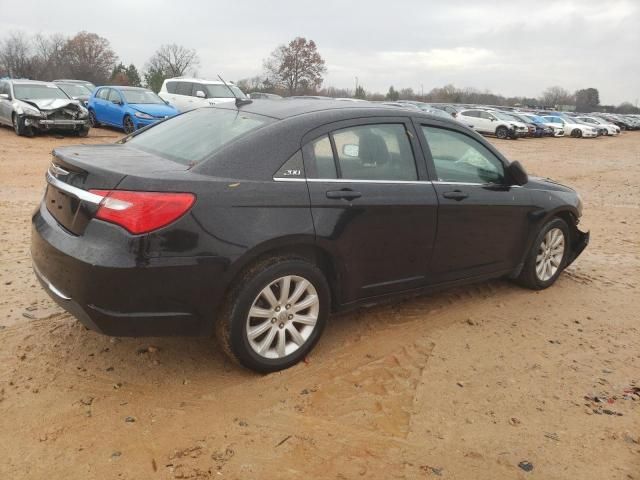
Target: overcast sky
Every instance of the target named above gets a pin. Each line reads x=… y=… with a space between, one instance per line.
x=512 y=47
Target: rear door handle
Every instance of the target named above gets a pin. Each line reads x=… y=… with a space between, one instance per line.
x=455 y=195
x=345 y=194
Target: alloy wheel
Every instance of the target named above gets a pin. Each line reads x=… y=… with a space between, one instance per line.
x=282 y=317
x=129 y=127
x=550 y=254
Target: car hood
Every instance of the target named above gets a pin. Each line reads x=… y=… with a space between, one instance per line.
x=542 y=183
x=156 y=110
x=50 y=103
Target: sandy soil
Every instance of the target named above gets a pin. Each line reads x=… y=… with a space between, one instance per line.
x=463 y=384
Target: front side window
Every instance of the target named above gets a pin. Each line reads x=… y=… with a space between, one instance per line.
x=461 y=159
x=375 y=152
x=114 y=96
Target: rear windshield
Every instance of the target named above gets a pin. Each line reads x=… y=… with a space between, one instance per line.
x=192 y=137
x=25 y=91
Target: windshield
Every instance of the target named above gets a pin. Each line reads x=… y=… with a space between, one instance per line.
x=37 y=92
x=536 y=118
x=192 y=137
x=141 y=96
x=75 y=90
x=222 y=91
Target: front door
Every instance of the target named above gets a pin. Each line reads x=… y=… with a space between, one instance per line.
x=482 y=218
x=372 y=205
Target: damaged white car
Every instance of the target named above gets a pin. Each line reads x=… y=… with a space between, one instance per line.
x=29 y=106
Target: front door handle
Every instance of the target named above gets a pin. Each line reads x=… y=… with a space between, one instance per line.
x=455 y=195
x=346 y=194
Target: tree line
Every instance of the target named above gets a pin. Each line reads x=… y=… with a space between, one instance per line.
x=295 y=68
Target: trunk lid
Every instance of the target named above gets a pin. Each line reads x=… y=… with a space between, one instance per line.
x=77 y=169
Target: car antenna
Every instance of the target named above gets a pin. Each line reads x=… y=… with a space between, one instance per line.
x=239 y=101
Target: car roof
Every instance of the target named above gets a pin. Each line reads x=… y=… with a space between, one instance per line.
x=197 y=80
x=19 y=81
x=125 y=87
x=338 y=109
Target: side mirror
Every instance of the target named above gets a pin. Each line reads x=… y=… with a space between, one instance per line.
x=200 y=94
x=5 y=96
x=517 y=173
x=350 y=150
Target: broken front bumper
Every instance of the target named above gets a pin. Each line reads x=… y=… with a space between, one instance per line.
x=45 y=124
x=580 y=240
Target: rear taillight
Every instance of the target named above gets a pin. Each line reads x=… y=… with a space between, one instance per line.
x=142 y=212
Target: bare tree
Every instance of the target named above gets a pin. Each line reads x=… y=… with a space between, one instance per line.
x=16 y=56
x=173 y=60
x=90 y=57
x=297 y=66
x=554 y=96
x=49 y=56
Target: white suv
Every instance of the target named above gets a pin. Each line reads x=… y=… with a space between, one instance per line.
x=189 y=93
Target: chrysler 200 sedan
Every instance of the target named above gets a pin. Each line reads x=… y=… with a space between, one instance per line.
x=256 y=222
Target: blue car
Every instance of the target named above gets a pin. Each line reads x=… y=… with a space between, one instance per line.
x=128 y=108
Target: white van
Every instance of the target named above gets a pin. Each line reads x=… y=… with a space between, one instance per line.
x=189 y=93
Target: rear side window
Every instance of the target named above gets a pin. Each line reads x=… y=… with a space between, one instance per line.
x=194 y=136
x=171 y=87
x=184 y=88
x=114 y=96
x=375 y=152
x=102 y=93
x=319 y=156
x=471 y=113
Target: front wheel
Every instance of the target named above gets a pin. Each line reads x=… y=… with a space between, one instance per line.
x=20 y=128
x=547 y=257
x=502 y=132
x=275 y=314
x=128 y=125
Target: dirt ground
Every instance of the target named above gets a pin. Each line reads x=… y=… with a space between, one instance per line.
x=464 y=384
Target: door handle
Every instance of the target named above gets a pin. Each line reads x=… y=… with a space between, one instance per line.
x=455 y=195
x=345 y=194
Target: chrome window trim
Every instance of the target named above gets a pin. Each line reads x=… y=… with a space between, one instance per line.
x=76 y=192
x=410 y=182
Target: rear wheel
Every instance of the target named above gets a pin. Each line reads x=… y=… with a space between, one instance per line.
x=128 y=125
x=502 y=132
x=275 y=314
x=547 y=257
x=92 y=119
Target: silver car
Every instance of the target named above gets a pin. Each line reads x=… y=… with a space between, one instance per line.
x=29 y=106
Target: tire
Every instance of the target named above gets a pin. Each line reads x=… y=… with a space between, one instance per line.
x=20 y=128
x=92 y=119
x=128 y=125
x=83 y=132
x=532 y=275
x=274 y=346
x=576 y=133
x=502 y=132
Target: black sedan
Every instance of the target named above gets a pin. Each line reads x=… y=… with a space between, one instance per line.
x=255 y=222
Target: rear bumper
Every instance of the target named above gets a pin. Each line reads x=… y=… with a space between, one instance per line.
x=104 y=280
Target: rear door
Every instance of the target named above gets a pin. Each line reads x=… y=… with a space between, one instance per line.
x=100 y=104
x=183 y=98
x=482 y=218
x=372 y=205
